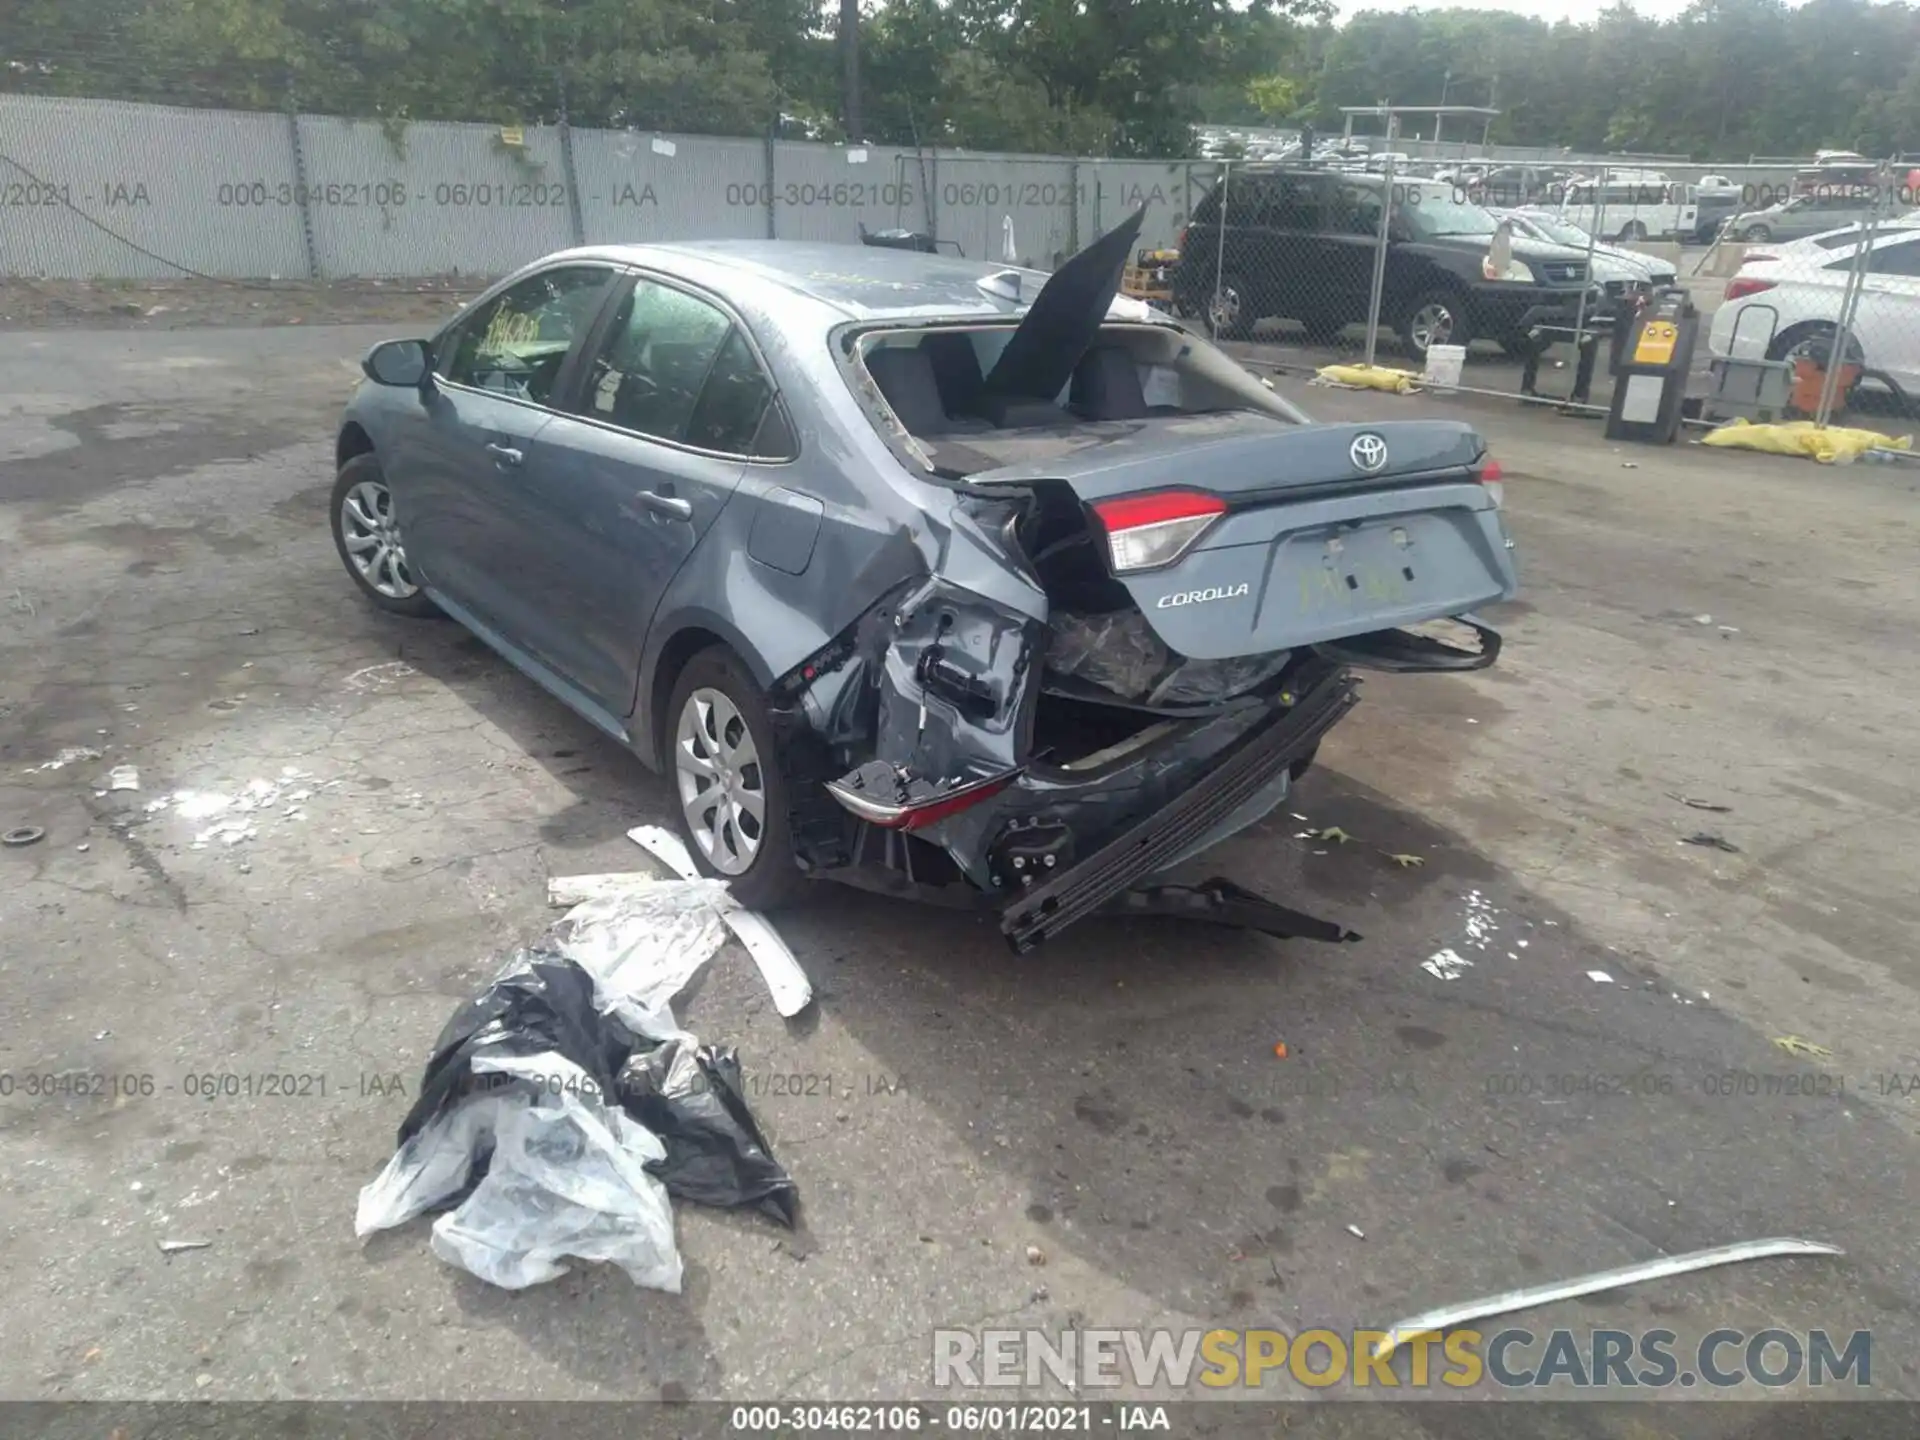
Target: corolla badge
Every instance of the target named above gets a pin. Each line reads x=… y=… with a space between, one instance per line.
x=1368 y=453
x=1201 y=597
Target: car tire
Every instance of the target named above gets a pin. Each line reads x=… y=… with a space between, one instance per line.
x=368 y=539
x=1632 y=230
x=1756 y=234
x=720 y=753
x=1419 y=322
x=1229 y=310
x=1520 y=347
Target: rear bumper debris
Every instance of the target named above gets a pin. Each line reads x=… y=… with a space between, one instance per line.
x=1409 y=652
x=1221 y=902
x=1147 y=848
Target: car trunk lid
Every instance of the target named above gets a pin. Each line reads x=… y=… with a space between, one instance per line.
x=1317 y=532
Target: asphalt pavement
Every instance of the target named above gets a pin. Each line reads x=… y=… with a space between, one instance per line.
x=1647 y=1046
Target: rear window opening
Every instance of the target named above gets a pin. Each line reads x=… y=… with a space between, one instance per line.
x=932 y=382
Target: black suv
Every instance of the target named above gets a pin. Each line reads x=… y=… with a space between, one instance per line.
x=1299 y=245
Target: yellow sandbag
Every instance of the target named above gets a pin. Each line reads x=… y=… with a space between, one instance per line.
x=1802 y=437
x=1400 y=382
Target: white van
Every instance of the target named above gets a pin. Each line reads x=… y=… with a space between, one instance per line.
x=1631 y=205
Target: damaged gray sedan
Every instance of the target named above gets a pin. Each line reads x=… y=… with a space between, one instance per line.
x=922 y=574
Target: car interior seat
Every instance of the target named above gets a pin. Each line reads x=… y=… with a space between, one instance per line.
x=1106 y=386
x=908 y=381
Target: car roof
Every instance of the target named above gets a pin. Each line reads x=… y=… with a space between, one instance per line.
x=859 y=282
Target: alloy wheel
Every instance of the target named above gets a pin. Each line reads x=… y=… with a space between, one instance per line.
x=371 y=535
x=1432 y=324
x=723 y=788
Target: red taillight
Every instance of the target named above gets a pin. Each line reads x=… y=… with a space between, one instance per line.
x=1492 y=476
x=1742 y=285
x=1145 y=532
x=917 y=815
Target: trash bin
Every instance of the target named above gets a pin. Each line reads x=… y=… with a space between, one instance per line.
x=1810 y=375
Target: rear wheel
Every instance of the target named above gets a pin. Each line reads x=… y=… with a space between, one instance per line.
x=1230 y=310
x=1439 y=317
x=1633 y=230
x=1757 y=234
x=726 y=775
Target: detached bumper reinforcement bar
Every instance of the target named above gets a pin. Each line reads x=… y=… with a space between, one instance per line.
x=1039 y=914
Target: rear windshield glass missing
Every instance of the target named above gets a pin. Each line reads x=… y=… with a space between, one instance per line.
x=932 y=384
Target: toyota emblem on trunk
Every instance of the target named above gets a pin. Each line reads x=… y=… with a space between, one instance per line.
x=1368 y=453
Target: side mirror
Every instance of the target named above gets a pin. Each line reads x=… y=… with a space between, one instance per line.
x=401 y=363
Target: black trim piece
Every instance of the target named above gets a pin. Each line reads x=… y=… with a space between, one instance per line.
x=1251 y=763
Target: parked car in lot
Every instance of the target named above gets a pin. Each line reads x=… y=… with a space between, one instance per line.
x=1631 y=205
x=1828 y=208
x=906 y=569
x=1789 y=305
x=1844 y=237
x=1620 y=271
x=1299 y=244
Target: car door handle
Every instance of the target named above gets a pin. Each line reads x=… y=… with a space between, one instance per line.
x=667 y=505
x=504 y=454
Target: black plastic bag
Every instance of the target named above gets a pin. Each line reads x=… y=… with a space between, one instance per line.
x=542 y=1003
x=691 y=1098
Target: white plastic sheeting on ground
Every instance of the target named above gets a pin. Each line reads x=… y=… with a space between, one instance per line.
x=567 y=1176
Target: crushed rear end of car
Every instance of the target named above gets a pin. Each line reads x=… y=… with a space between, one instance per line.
x=1151 y=584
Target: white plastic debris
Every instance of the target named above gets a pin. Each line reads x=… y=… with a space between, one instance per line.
x=1356 y=1232
x=1445 y=965
x=1434 y=1322
x=123 y=777
x=644 y=946
x=567 y=1180
x=71 y=755
x=1599 y=977
x=792 y=991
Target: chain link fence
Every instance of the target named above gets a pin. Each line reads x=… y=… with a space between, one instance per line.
x=1470 y=282
x=1825 y=318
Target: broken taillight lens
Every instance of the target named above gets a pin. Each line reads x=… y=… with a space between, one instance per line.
x=897 y=811
x=1492 y=476
x=1146 y=532
x=1747 y=285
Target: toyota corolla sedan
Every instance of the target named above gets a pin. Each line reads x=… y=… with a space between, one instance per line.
x=951 y=579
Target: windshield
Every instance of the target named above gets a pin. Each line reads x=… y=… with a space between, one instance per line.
x=1560 y=232
x=1434 y=210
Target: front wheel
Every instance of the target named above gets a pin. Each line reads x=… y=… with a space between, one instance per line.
x=1756 y=234
x=726 y=774
x=366 y=532
x=1438 y=317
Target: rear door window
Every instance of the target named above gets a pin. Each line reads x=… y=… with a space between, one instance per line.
x=653 y=368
